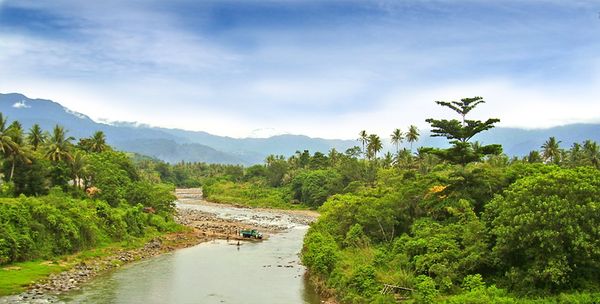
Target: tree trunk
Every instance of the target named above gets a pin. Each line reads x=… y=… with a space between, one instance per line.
x=12 y=170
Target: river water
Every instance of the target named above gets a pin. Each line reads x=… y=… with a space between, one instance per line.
x=214 y=272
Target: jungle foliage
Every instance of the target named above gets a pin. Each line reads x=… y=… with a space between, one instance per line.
x=59 y=197
x=465 y=224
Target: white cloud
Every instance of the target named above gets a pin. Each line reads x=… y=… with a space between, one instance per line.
x=138 y=64
x=21 y=105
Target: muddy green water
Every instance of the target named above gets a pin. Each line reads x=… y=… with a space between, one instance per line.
x=213 y=272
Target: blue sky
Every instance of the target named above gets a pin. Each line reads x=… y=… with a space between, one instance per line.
x=321 y=68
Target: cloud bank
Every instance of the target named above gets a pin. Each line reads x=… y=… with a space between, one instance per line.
x=321 y=68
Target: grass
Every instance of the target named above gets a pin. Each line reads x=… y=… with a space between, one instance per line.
x=16 y=277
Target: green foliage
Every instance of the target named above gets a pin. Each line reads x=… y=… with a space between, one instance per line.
x=425 y=290
x=253 y=194
x=158 y=196
x=448 y=251
x=455 y=225
x=320 y=252
x=57 y=224
x=313 y=187
x=482 y=295
x=459 y=133
x=363 y=281
x=113 y=174
x=546 y=230
x=356 y=237
x=473 y=282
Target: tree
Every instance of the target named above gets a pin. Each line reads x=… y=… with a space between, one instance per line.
x=15 y=131
x=374 y=146
x=459 y=133
x=397 y=138
x=412 y=135
x=591 y=150
x=545 y=228
x=364 y=139
x=551 y=150
x=313 y=187
x=277 y=167
x=388 y=160
x=98 y=143
x=78 y=164
x=94 y=144
x=6 y=141
x=36 y=136
x=59 y=148
x=534 y=157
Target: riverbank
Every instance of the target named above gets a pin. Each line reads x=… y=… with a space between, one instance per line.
x=192 y=212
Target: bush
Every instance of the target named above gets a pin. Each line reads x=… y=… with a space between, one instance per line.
x=320 y=252
x=425 y=292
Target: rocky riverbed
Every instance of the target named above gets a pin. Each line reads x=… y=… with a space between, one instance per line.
x=208 y=221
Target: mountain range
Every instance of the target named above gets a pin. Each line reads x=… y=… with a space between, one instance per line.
x=174 y=145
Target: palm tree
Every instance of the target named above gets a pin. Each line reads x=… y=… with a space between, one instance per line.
x=592 y=152
x=534 y=157
x=374 y=146
x=98 y=142
x=388 y=160
x=59 y=147
x=363 y=137
x=412 y=135
x=36 y=136
x=551 y=150
x=397 y=138
x=6 y=142
x=270 y=160
x=15 y=131
x=78 y=166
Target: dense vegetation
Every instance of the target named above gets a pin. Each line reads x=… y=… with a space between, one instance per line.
x=465 y=224
x=58 y=197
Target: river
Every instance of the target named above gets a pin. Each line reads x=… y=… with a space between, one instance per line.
x=218 y=271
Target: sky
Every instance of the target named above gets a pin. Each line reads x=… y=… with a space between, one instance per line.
x=320 y=68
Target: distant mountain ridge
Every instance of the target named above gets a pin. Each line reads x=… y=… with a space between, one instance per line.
x=173 y=145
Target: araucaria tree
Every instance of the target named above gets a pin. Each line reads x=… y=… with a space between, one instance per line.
x=459 y=132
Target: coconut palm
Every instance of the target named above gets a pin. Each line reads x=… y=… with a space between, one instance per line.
x=36 y=136
x=78 y=164
x=374 y=145
x=98 y=142
x=412 y=135
x=16 y=153
x=551 y=150
x=6 y=142
x=363 y=137
x=592 y=152
x=59 y=147
x=397 y=138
